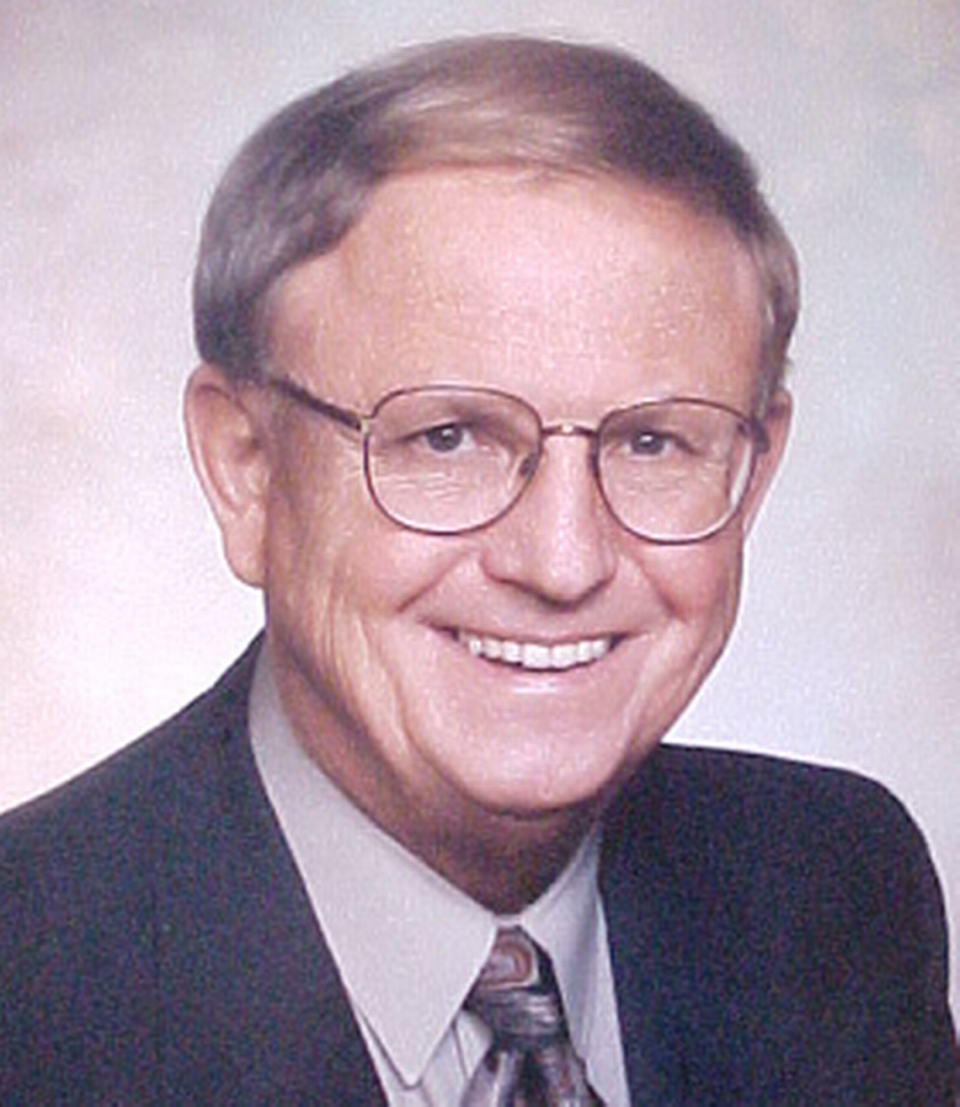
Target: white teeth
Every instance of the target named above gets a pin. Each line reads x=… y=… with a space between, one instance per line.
x=535 y=655
x=511 y=652
x=564 y=657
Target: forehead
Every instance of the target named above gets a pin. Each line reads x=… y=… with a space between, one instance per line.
x=574 y=290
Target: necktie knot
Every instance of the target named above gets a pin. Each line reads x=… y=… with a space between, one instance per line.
x=516 y=994
x=531 y=1059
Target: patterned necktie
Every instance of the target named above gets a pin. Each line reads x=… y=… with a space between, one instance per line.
x=531 y=1061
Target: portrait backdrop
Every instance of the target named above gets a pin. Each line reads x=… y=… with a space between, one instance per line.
x=116 y=118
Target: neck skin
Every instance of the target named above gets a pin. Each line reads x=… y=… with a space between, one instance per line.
x=506 y=864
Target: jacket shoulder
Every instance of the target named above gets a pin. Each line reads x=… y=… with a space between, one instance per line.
x=107 y=799
x=793 y=924
x=78 y=937
x=725 y=801
x=790 y=849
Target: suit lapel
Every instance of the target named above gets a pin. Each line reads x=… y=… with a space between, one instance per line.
x=253 y=1010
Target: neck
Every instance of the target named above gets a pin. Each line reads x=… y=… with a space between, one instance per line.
x=505 y=866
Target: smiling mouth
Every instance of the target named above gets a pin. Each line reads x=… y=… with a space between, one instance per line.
x=535 y=655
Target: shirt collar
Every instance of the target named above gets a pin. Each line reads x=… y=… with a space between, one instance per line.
x=407 y=943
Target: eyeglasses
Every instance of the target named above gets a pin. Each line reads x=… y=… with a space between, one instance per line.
x=446 y=459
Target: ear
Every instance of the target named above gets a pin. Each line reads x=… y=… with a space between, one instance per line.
x=226 y=436
x=776 y=422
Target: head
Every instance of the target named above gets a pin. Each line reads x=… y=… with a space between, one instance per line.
x=551 y=221
x=306 y=178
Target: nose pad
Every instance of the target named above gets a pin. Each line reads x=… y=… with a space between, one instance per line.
x=558 y=540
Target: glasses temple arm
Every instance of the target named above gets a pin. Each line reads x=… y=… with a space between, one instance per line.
x=293 y=391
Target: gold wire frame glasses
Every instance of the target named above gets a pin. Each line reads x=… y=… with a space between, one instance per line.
x=447 y=459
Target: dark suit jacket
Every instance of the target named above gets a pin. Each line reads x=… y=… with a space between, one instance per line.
x=777 y=937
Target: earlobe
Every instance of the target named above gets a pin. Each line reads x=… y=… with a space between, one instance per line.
x=777 y=425
x=229 y=454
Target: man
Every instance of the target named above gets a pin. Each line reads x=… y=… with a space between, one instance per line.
x=493 y=340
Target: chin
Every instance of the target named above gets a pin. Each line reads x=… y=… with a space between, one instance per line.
x=537 y=788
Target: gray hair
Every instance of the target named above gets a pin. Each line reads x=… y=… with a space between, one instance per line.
x=306 y=177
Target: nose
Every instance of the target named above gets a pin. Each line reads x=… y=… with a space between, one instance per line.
x=558 y=542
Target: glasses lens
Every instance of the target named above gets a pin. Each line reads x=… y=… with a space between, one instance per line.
x=447 y=460
x=675 y=471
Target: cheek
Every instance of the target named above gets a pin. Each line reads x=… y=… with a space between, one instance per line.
x=314 y=513
x=698 y=588
x=341 y=578
x=302 y=553
x=700 y=584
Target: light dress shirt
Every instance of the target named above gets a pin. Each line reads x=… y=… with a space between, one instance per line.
x=409 y=945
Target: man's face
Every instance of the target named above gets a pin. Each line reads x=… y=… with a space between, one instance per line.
x=578 y=297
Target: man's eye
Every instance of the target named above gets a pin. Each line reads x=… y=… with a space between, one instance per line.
x=650 y=444
x=446 y=438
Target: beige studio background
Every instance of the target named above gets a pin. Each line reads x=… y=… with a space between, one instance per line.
x=116 y=117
